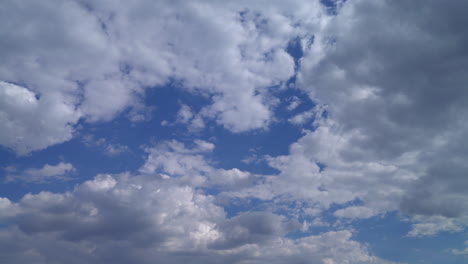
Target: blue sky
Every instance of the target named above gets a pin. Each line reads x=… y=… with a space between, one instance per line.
x=243 y=132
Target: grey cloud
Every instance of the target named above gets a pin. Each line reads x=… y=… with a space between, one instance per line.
x=396 y=74
x=253 y=228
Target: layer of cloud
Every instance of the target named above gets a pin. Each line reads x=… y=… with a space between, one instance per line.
x=140 y=219
x=48 y=173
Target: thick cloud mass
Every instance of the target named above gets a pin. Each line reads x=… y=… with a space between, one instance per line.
x=393 y=75
x=140 y=219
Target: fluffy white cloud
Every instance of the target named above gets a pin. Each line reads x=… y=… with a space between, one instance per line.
x=137 y=219
x=60 y=171
x=28 y=122
x=380 y=184
x=191 y=165
x=93 y=60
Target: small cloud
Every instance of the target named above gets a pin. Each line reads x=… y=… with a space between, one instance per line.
x=294 y=103
x=315 y=113
x=110 y=149
x=460 y=252
x=302 y=118
x=185 y=114
x=203 y=146
x=47 y=173
x=115 y=149
x=355 y=212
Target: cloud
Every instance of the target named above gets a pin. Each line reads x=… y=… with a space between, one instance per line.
x=294 y=102
x=394 y=86
x=431 y=225
x=355 y=212
x=184 y=115
x=48 y=173
x=462 y=251
x=390 y=126
x=190 y=163
x=110 y=149
x=312 y=115
x=21 y=128
x=137 y=219
x=390 y=75
x=83 y=60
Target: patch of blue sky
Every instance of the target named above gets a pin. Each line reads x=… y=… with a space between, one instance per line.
x=386 y=237
x=90 y=159
x=332 y=5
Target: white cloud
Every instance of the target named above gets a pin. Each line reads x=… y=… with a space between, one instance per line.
x=115 y=149
x=294 y=103
x=136 y=219
x=109 y=148
x=28 y=123
x=431 y=225
x=355 y=212
x=351 y=174
x=301 y=118
x=393 y=79
x=203 y=146
x=184 y=115
x=60 y=171
x=93 y=60
x=191 y=165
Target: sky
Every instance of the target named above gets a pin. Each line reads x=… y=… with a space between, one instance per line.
x=238 y=132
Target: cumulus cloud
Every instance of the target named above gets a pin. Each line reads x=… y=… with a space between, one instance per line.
x=137 y=219
x=48 y=173
x=92 y=60
x=29 y=122
x=190 y=163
